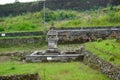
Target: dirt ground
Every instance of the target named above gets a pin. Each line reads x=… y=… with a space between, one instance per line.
x=4 y=58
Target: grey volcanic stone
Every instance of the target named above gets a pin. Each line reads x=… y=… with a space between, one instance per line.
x=106 y=67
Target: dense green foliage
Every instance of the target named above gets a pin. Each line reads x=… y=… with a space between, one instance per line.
x=34 y=21
x=53 y=71
x=108 y=49
x=61 y=18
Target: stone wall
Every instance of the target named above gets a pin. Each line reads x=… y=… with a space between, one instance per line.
x=37 y=33
x=86 y=35
x=106 y=67
x=95 y=27
x=65 y=36
x=18 y=56
x=21 y=77
x=19 y=41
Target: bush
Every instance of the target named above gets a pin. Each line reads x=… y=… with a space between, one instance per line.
x=112 y=58
x=26 y=26
x=12 y=68
x=118 y=39
x=106 y=44
x=99 y=39
x=65 y=15
x=113 y=17
x=113 y=45
x=2 y=28
x=22 y=26
x=51 y=15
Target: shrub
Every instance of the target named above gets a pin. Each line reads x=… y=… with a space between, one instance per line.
x=99 y=39
x=118 y=39
x=22 y=26
x=2 y=28
x=51 y=15
x=65 y=15
x=112 y=58
x=26 y=26
x=113 y=45
x=106 y=44
x=113 y=17
x=12 y=68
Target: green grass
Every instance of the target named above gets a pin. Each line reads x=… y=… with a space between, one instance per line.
x=28 y=47
x=61 y=71
x=53 y=71
x=61 y=18
x=34 y=21
x=110 y=48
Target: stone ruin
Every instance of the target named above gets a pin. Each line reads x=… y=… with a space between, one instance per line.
x=33 y=76
x=53 y=53
x=52 y=38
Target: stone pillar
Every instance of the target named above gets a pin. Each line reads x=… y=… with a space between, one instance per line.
x=52 y=37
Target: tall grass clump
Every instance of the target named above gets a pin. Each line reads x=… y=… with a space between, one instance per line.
x=113 y=17
x=22 y=26
x=51 y=15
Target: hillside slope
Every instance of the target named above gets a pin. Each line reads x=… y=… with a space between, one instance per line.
x=109 y=16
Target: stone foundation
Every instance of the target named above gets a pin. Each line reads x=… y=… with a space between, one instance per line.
x=65 y=36
x=106 y=67
x=21 y=77
x=19 y=41
x=15 y=34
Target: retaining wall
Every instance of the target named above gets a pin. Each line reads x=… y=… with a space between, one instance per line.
x=37 y=33
x=106 y=67
x=18 y=41
x=86 y=35
x=21 y=77
x=65 y=36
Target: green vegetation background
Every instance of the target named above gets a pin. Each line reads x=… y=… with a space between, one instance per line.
x=109 y=16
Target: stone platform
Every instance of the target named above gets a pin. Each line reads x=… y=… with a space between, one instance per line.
x=53 y=53
x=39 y=56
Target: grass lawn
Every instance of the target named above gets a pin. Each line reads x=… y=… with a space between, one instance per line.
x=61 y=71
x=23 y=48
x=53 y=71
x=36 y=46
x=107 y=49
